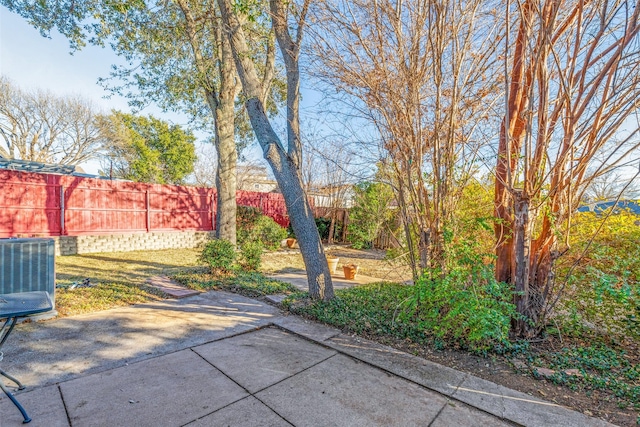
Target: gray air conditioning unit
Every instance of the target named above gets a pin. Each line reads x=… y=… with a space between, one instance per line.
x=27 y=265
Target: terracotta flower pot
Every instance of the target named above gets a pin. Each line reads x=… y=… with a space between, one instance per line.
x=291 y=242
x=333 y=264
x=350 y=271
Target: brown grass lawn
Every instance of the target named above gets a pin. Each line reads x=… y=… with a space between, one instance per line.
x=118 y=278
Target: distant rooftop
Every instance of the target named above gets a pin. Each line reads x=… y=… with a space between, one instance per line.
x=29 y=166
x=601 y=206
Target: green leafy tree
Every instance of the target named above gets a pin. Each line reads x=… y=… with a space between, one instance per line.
x=146 y=149
x=175 y=56
x=369 y=213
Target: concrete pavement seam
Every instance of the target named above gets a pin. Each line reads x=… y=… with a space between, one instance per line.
x=289 y=377
x=247 y=391
x=64 y=404
x=439 y=412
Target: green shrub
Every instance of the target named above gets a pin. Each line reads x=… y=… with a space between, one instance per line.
x=252 y=255
x=253 y=226
x=268 y=232
x=369 y=213
x=465 y=306
x=246 y=217
x=219 y=255
x=603 y=288
x=324 y=224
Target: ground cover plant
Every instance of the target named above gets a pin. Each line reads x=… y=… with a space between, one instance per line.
x=249 y=284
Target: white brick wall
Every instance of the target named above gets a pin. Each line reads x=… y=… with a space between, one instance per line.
x=71 y=245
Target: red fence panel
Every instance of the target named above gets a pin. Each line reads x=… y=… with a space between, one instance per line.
x=94 y=206
x=180 y=208
x=29 y=204
x=51 y=205
x=270 y=204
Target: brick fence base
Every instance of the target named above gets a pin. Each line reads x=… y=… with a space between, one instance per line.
x=72 y=245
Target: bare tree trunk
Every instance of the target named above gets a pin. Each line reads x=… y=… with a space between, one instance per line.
x=567 y=96
x=521 y=252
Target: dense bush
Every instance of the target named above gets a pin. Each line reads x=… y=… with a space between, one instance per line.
x=369 y=213
x=324 y=224
x=465 y=306
x=219 y=255
x=246 y=216
x=603 y=286
x=253 y=226
x=477 y=318
x=251 y=255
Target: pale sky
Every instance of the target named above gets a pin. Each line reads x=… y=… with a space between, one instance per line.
x=32 y=61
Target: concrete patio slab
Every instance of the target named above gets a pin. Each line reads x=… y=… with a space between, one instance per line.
x=248 y=412
x=132 y=366
x=519 y=407
x=268 y=356
x=168 y=390
x=424 y=372
x=343 y=392
x=47 y=352
x=306 y=328
x=44 y=406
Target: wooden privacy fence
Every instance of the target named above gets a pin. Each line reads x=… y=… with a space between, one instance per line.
x=54 y=205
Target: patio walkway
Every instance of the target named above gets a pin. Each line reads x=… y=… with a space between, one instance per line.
x=221 y=359
x=299 y=280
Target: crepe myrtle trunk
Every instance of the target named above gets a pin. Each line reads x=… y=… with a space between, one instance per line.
x=300 y=214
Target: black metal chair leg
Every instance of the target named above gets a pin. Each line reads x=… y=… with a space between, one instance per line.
x=26 y=417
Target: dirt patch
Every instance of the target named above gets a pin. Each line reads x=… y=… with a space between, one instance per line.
x=371 y=263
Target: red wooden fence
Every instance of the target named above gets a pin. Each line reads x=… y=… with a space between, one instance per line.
x=53 y=205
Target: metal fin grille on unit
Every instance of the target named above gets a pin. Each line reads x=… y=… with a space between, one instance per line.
x=27 y=265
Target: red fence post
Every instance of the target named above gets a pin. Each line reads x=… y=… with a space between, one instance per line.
x=213 y=213
x=147 y=207
x=62 y=225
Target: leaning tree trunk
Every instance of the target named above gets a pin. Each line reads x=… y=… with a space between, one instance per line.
x=284 y=164
x=300 y=213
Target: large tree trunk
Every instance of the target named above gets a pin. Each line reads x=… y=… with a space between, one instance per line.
x=226 y=182
x=226 y=175
x=221 y=105
x=284 y=163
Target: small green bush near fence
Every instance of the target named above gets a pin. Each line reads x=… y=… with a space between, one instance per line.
x=252 y=226
x=219 y=255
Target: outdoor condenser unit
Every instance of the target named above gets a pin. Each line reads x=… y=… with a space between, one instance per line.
x=27 y=265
